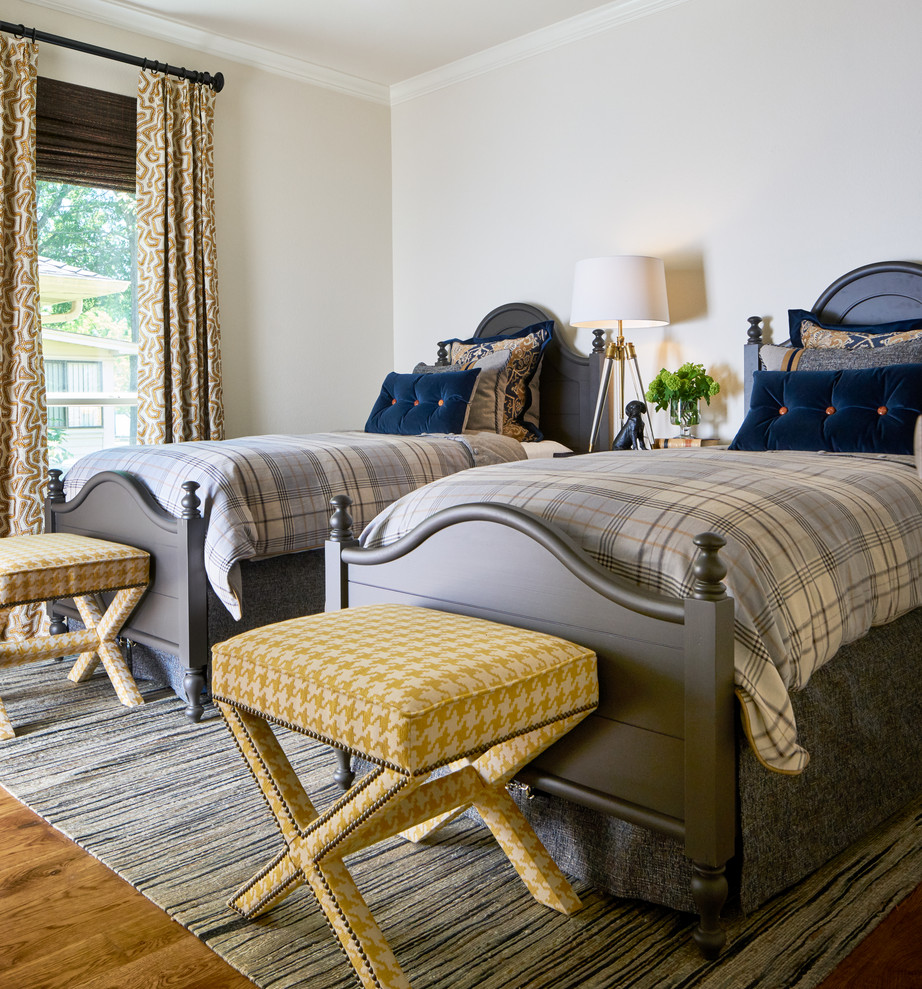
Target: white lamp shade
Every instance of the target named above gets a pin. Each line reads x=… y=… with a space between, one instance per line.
x=628 y=289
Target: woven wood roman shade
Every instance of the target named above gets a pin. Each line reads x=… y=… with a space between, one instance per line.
x=85 y=136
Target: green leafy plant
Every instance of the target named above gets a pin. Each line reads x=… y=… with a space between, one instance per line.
x=690 y=383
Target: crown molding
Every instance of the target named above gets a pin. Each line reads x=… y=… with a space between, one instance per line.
x=114 y=14
x=535 y=43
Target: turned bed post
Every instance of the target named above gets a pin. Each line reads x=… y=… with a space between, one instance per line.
x=342 y=535
x=710 y=749
x=58 y=623
x=751 y=355
x=193 y=600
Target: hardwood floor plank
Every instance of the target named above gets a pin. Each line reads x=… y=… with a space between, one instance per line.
x=72 y=923
x=890 y=957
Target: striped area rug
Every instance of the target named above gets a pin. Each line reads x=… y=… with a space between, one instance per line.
x=170 y=807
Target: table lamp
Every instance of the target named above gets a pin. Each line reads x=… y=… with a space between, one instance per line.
x=625 y=291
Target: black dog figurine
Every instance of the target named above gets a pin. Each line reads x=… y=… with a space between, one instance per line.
x=631 y=435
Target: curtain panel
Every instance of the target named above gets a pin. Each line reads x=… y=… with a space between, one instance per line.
x=22 y=379
x=23 y=443
x=179 y=356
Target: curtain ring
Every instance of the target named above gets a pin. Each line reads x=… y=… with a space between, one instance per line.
x=33 y=36
x=20 y=32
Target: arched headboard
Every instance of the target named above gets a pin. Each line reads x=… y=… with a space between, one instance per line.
x=881 y=292
x=874 y=293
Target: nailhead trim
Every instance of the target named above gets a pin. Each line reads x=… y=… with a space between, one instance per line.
x=378 y=761
x=81 y=594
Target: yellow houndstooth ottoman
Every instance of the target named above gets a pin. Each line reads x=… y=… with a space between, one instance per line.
x=61 y=565
x=410 y=690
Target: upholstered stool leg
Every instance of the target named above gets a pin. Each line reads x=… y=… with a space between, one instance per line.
x=107 y=627
x=530 y=859
x=498 y=765
x=290 y=805
x=352 y=922
x=6 y=727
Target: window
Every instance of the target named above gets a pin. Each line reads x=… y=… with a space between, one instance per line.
x=85 y=164
x=78 y=377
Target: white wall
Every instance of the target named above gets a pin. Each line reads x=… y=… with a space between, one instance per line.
x=302 y=178
x=761 y=148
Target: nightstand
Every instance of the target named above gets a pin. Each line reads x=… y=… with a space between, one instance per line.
x=685 y=443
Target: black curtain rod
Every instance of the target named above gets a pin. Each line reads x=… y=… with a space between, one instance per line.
x=216 y=81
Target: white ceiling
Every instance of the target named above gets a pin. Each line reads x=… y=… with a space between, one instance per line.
x=369 y=47
x=384 y=41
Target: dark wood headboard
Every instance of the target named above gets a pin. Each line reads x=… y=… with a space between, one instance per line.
x=568 y=380
x=874 y=293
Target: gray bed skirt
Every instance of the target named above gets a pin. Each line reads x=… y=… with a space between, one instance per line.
x=273 y=590
x=858 y=718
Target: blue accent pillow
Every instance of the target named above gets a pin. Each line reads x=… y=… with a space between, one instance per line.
x=413 y=404
x=797 y=316
x=871 y=410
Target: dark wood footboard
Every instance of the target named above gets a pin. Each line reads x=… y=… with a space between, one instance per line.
x=172 y=615
x=660 y=749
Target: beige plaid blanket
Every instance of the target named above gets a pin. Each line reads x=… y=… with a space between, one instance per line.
x=268 y=495
x=819 y=548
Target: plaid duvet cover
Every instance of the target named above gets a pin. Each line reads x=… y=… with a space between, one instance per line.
x=820 y=547
x=268 y=495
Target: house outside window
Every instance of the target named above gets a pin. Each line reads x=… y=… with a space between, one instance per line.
x=85 y=163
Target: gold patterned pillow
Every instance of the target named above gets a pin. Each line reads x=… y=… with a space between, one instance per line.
x=814 y=335
x=520 y=401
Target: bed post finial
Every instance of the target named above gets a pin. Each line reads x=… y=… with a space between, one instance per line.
x=442 y=357
x=754 y=333
x=598 y=341
x=341 y=520
x=55 y=486
x=709 y=568
x=191 y=503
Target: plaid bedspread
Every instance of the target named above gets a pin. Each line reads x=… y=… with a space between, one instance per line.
x=819 y=548
x=268 y=495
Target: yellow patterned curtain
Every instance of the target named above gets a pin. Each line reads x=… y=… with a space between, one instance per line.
x=22 y=376
x=179 y=355
x=23 y=443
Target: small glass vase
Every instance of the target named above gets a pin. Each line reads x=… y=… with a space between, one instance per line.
x=683 y=412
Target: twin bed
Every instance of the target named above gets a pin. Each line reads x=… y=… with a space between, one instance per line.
x=236 y=528
x=742 y=739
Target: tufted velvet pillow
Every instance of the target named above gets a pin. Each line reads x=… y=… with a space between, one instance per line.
x=412 y=404
x=872 y=410
x=489 y=396
x=797 y=318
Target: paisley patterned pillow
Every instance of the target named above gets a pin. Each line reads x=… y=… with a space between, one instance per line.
x=800 y=320
x=818 y=336
x=520 y=401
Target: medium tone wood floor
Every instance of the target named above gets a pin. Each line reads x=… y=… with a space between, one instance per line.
x=71 y=923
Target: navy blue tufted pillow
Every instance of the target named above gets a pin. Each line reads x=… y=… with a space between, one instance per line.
x=412 y=404
x=797 y=316
x=872 y=410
